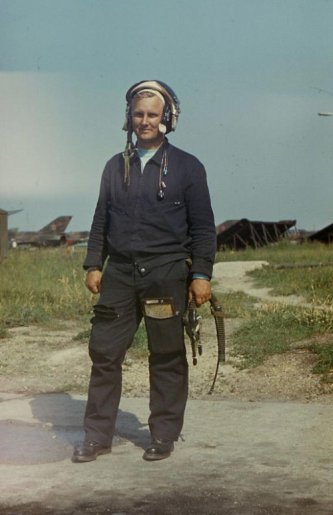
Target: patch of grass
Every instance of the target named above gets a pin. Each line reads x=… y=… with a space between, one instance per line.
x=3 y=332
x=325 y=362
x=82 y=336
x=234 y=304
x=44 y=284
x=271 y=331
x=281 y=252
x=24 y=315
x=314 y=284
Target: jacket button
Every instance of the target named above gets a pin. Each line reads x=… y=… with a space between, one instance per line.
x=142 y=270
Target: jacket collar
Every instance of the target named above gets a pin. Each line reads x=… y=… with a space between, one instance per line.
x=157 y=157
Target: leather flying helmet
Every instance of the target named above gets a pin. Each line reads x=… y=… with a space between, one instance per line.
x=171 y=103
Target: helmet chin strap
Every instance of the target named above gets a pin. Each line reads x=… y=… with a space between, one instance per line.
x=129 y=149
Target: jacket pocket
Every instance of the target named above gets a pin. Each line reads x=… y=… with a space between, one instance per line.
x=165 y=222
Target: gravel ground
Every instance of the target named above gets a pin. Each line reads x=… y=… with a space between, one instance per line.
x=36 y=360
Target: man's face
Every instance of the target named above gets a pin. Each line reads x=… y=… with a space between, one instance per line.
x=146 y=115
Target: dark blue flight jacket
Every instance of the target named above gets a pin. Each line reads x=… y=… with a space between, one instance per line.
x=131 y=225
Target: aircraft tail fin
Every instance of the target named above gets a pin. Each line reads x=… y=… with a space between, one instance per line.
x=57 y=226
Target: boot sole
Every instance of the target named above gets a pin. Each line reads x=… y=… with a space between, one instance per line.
x=86 y=459
x=156 y=457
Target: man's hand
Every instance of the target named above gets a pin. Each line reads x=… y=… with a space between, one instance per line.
x=93 y=281
x=199 y=291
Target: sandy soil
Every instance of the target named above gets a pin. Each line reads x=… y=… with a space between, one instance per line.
x=40 y=359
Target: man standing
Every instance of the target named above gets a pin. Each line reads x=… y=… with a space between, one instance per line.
x=154 y=224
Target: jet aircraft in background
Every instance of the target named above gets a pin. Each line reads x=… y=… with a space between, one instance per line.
x=52 y=235
x=77 y=237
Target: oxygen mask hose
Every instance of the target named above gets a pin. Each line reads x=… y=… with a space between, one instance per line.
x=192 y=325
x=191 y=321
x=217 y=312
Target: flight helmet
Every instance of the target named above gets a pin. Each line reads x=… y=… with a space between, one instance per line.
x=169 y=120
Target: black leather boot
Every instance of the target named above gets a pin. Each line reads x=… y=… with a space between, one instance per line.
x=88 y=451
x=159 y=449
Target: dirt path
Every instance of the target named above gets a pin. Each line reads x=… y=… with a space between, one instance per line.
x=233 y=277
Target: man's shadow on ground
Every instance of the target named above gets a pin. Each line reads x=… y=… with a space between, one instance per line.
x=64 y=414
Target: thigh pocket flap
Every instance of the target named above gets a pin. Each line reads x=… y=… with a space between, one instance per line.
x=103 y=311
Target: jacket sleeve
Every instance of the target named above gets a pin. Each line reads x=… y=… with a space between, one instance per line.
x=97 y=243
x=200 y=220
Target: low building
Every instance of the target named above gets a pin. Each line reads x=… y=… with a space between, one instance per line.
x=4 y=231
x=240 y=234
x=325 y=235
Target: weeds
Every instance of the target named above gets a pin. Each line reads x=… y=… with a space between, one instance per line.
x=42 y=285
x=272 y=329
x=235 y=304
x=282 y=252
x=3 y=333
x=325 y=362
x=314 y=284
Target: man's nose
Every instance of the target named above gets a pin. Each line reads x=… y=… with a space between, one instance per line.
x=144 y=120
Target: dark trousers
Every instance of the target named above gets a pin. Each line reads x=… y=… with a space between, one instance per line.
x=117 y=316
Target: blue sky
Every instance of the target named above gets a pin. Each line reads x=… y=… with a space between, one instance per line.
x=251 y=77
